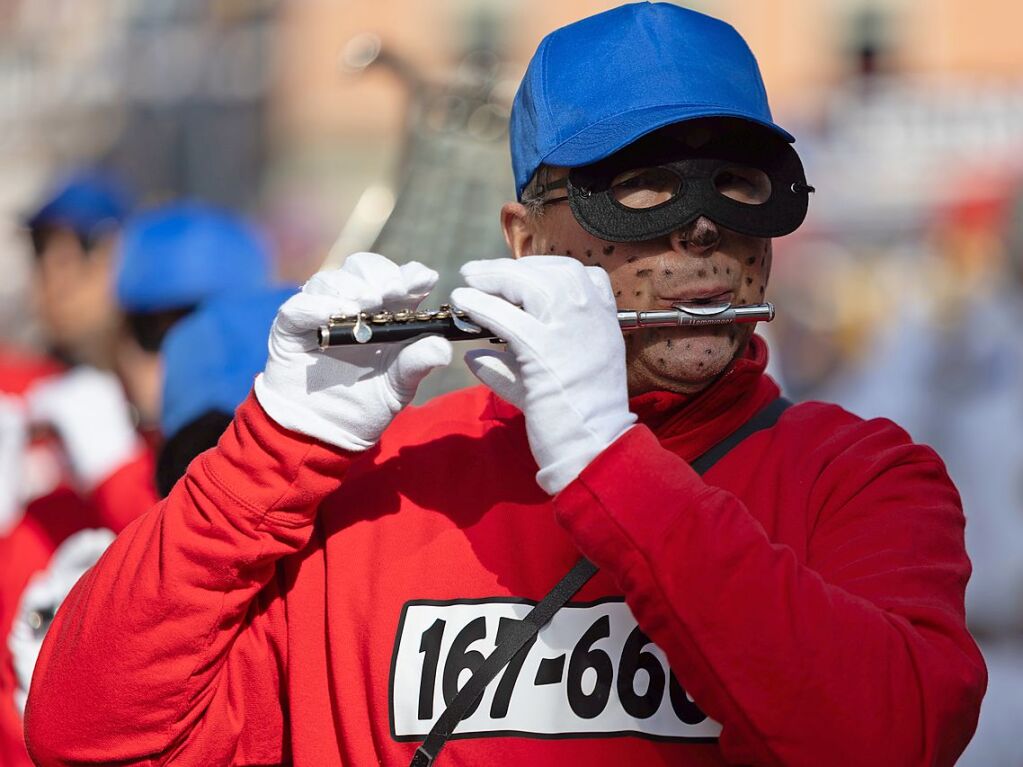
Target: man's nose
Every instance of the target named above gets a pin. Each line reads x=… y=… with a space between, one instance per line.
x=701 y=237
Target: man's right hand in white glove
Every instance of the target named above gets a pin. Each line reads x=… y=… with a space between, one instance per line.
x=346 y=396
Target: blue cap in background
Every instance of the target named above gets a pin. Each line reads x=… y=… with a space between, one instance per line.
x=88 y=202
x=183 y=254
x=597 y=85
x=212 y=356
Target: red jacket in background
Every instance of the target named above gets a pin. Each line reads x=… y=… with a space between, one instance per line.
x=292 y=603
x=22 y=549
x=49 y=519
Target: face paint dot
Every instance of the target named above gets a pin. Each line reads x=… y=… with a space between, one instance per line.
x=661 y=362
x=700 y=365
x=669 y=343
x=728 y=270
x=708 y=351
x=750 y=260
x=749 y=280
x=761 y=290
x=618 y=293
x=701 y=273
x=609 y=249
x=589 y=253
x=668 y=272
x=715 y=270
x=568 y=253
x=639 y=292
x=644 y=272
x=631 y=259
x=742 y=302
x=689 y=346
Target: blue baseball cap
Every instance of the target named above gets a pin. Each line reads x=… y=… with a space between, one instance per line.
x=88 y=202
x=180 y=255
x=595 y=86
x=212 y=356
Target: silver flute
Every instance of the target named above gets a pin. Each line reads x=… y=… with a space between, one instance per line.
x=455 y=325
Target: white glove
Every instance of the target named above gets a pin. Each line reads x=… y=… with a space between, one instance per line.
x=13 y=444
x=89 y=411
x=565 y=364
x=347 y=395
x=43 y=595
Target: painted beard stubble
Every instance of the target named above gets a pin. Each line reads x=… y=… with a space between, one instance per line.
x=665 y=358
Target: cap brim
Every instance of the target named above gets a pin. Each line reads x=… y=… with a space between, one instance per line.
x=608 y=136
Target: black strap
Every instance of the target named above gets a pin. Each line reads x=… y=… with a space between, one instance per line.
x=764 y=418
x=558 y=597
x=524 y=631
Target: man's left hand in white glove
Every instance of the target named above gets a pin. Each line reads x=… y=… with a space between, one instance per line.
x=346 y=396
x=89 y=411
x=565 y=363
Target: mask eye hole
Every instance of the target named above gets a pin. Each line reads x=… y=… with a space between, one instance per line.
x=743 y=184
x=643 y=188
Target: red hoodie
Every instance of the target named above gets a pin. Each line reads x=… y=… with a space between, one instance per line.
x=292 y=603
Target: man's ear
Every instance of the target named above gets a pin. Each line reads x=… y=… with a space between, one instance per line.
x=517 y=228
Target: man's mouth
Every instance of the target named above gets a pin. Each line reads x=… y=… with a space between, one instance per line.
x=707 y=297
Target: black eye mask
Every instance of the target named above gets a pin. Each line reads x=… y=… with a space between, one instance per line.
x=749 y=181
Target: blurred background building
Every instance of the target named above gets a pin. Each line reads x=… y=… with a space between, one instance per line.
x=342 y=125
x=321 y=118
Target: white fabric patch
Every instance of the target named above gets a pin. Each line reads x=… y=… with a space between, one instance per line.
x=42 y=598
x=590 y=673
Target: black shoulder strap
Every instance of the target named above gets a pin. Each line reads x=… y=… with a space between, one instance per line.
x=764 y=418
x=558 y=597
x=524 y=631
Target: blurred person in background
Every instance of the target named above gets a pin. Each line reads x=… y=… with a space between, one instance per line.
x=171 y=259
x=210 y=361
x=39 y=506
x=76 y=435
x=73 y=237
x=947 y=365
x=164 y=265
x=981 y=443
x=79 y=408
x=70 y=458
x=168 y=262
x=44 y=495
x=802 y=606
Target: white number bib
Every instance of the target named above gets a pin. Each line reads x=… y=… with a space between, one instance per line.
x=591 y=672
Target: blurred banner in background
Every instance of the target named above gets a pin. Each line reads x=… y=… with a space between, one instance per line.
x=348 y=125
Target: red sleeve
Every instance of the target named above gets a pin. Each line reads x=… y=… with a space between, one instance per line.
x=857 y=656
x=173 y=639
x=126 y=493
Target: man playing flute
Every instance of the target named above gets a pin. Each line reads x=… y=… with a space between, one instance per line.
x=317 y=589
